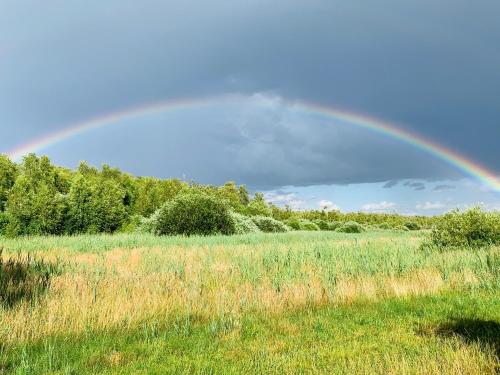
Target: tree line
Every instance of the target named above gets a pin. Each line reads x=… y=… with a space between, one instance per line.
x=37 y=197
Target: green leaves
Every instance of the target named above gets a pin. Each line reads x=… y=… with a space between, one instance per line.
x=194 y=213
x=34 y=205
x=96 y=205
x=473 y=229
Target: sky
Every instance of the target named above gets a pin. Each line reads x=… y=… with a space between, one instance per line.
x=424 y=66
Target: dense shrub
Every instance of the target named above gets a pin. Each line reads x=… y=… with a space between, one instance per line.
x=293 y=223
x=149 y=224
x=411 y=225
x=351 y=227
x=322 y=224
x=23 y=279
x=243 y=224
x=384 y=226
x=308 y=225
x=132 y=225
x=333 y=225
x=269 y=225
x=193 y=213
x=473 y=228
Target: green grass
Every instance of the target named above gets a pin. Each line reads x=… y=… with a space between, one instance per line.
x=324 y=340
x=105 y=242
x=299 y=302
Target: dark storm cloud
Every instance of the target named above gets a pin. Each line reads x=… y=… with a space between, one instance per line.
x=262 y=142
x=432 y=66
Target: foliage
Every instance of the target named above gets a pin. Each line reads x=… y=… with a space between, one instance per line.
x=333 y=225
x=282 y=214
x=4 y=221
x=8 y=172
x=258 y=206
x=34 y=205
x=38 y=198
x=471 y=229
x=350 y=227
x=322 y=224
x=194 y=213
x=384 y=226
x=269 y=225
x=411 y=225
x=244 y=224
x=293 y=223
x=308 y=225
x=95 y=205
x=152 y=193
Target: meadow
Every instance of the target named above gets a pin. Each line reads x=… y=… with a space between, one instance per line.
x=283 y=303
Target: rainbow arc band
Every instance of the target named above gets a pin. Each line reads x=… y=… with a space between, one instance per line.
x=467 y=166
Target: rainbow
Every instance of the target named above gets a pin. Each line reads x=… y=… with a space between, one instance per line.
x=473 y=169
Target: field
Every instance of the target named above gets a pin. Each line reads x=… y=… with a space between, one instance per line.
x=297 y=302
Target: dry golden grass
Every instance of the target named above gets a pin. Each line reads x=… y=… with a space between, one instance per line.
x=121 y=288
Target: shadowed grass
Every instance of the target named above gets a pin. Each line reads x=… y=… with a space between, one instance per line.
x=23 y=278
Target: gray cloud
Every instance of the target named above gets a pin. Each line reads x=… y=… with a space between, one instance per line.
x=259 y=140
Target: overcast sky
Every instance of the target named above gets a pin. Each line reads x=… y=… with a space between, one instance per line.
x=431 y=67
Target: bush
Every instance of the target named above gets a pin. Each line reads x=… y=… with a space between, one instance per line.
x=269 y=225
x=411 y=225
x=23 y=279
x=133 y=224
x=333 y=225
x=149 y=224
x=322 y=224
x=384 y=226
x=473 y=229
x=243 y=224
x=192 y=213
x=308 y=225
x=293 y=223
x=350 y=227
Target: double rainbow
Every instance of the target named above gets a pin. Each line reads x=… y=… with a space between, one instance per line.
x=473 y=169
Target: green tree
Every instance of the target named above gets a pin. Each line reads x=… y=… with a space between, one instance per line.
x=80 y=205
x=233 y=195
x=244 y=196
x=8 y=172
x=152 y=193
x=258 y=206
x=35 y=206
x=95 y=204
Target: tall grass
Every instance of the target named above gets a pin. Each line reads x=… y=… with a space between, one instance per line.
x=133 y=282
x=122 y=280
